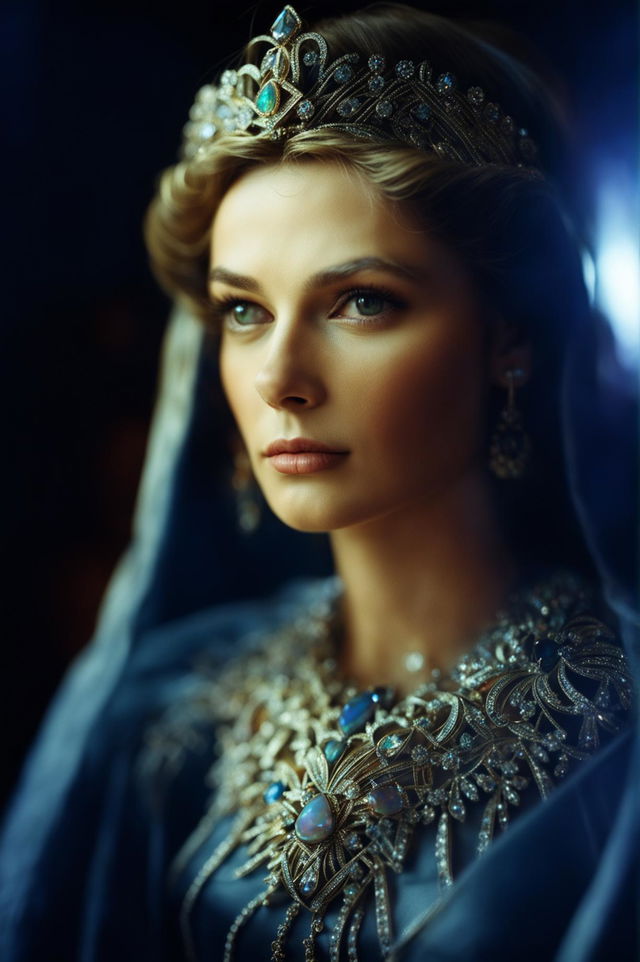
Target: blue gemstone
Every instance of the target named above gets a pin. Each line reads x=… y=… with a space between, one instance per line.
x=391 y=743
x=546 y=652
x=274 y=791
x=286 y=25
x=316 y=821
x=343 y=74
x=334 y=749
x=384 y=108
x=450 y=761
x=405 y=69
x=305 y=110
x=268 y=61
x=386 y=800
x=348 y=107
x=422 y=112
x=356 y=713
x=309 y=881
x=268 y=99
x=446 y=82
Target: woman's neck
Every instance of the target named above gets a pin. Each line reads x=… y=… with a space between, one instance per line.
x=427 y=579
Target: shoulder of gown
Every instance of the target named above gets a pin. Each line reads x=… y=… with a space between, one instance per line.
x=84 y=853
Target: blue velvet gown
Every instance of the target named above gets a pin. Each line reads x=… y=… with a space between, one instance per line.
x=93 y=830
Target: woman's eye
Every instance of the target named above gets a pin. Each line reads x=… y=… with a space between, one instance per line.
x=242 y=314
x=368 y=304
x=245 y=313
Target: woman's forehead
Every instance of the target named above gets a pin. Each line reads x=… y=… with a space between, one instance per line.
x=299 y=188
x=313 y=215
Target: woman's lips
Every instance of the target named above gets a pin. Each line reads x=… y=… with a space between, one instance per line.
x=307 y=462
x=303 y=456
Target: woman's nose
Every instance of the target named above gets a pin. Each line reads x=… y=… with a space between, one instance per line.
x=290 y=375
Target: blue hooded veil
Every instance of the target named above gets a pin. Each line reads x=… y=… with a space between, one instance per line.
x=83 y=862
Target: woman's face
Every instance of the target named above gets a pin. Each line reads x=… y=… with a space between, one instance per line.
x=345 y=326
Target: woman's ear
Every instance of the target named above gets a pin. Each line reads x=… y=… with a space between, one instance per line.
x=509 y=350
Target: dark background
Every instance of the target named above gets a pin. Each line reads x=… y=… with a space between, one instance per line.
x=95 y=95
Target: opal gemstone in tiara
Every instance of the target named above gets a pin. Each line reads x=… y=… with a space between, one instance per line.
x=268 y=99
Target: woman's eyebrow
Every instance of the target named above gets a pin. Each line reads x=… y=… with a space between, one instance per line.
x=342 y=271
x=325 y=277
x=242 y=281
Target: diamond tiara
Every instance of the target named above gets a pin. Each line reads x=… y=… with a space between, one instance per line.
x=296 y=87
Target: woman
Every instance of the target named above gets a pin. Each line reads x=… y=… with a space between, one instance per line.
x=394 y=293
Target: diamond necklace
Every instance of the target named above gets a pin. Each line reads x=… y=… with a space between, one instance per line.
x=330 y=785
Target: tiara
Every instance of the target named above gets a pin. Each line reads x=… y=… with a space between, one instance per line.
x=294 y=87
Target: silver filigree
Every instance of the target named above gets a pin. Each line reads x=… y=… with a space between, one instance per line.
x=293 y=86
x=457 y=745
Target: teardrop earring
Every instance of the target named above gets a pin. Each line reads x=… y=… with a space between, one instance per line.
x=246 y=491
x=510 y=450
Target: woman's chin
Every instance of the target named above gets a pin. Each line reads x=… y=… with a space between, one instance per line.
x=309 y=522
x=312 y=515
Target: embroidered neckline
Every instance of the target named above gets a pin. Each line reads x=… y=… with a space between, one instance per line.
x=330 y=785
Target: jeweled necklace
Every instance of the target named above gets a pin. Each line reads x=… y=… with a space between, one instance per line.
x=329 y=785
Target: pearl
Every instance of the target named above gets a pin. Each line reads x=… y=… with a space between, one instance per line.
x=414 y=661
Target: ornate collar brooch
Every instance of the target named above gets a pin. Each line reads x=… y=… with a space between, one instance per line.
x=329 y=785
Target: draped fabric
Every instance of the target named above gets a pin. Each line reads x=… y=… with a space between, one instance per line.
x=86 y=849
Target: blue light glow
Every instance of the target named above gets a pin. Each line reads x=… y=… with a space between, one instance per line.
x=617 y=257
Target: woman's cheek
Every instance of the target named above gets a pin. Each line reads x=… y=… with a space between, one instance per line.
x=423 y=402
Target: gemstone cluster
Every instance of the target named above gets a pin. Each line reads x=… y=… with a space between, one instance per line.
x=332 y=788
x=294 y=85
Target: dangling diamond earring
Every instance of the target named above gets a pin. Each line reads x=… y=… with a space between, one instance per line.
x=246 y=491
x=510 y=450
